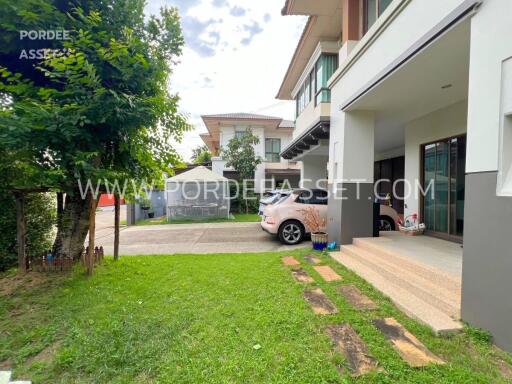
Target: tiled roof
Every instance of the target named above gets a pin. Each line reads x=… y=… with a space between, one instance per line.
x=243 y=116
x=287 y=124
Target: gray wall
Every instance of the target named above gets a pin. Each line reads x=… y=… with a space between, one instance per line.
x=158 y=205
x=349 y=215
x=487 y=262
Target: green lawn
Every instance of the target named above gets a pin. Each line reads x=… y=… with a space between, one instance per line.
x=238 y=218
x=200 y=319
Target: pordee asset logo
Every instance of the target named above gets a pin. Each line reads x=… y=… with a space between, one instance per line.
x=46 y=35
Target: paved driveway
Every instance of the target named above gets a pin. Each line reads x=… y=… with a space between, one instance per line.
x=191 y=238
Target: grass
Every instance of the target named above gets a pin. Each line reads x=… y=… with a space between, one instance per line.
x=209 y=319
x=238 y=218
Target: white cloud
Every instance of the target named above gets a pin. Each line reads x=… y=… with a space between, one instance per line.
x=231 y=63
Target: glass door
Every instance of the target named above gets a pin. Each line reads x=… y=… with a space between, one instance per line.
x=444 y=168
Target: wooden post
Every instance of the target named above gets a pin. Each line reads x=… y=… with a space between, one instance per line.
x=92 y=234
x=117 y=213
x=21 y=231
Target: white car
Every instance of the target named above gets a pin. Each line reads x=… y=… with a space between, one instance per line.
x=272 y=197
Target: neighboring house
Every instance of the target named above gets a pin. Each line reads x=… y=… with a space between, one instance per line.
x=419 y=89
x=274 y=134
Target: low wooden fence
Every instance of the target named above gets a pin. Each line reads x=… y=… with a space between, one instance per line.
x=48 y=263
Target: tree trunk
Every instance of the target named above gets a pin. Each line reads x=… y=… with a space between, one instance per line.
x=21 y=232
x=60 y=214
x=73 y=226
x=92 y=236
x=117 y=213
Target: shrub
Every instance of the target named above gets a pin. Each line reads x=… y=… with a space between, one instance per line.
x=40 y=215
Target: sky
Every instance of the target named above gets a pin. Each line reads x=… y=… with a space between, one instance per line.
x=235 y=57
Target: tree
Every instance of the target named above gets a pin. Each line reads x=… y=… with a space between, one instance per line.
x=201 y=155
x=101 y=111
x=240 y=154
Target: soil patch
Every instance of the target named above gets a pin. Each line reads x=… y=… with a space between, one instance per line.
x=320 y=302
x=406 y=344
x=312 y=259
x=302 y=276
x=356 y=298
x=348 y=343
x=45 y=355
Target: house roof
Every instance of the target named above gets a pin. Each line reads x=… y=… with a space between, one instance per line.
x=324 y=24
x=241 y=116
x=213 y=123
x=200 y=173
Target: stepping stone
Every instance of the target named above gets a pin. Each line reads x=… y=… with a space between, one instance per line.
x=290 y=261
x=408 y=346
x=5 y=377
x=301 y=276
x=319 y=302
x=356 y=298
x=348 y=343
x=327 y=273
x=312 y=259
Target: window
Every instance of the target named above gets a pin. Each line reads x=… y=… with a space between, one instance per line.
x=372 y=10
x=324 y=69
x=272 y=150
x=315 y=85
x=240 y=134
x=314 y=197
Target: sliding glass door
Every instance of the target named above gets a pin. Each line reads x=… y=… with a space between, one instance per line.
x=444 y=167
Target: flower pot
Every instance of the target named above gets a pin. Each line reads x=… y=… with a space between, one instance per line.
x=319 y=240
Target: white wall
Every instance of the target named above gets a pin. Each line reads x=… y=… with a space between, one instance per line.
x=313 y=168
x=491 y=30
x=447 y=122
x=309 y=116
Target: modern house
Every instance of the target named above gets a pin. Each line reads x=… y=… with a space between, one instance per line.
x=419 y=90
x=274 y=134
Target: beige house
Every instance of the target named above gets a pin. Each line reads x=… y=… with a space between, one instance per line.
x=274 y=134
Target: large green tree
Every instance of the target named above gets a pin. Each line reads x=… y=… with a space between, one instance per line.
x=100 y=111
x=240 y=154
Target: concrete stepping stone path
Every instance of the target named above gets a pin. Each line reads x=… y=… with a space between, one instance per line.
x=408 y=346
x=312 y=259
x=5 y=377
x=349 y=344
x=320 y=302
x=301 y=276
x=290 y=261
x=327 y=273
x=357 y=299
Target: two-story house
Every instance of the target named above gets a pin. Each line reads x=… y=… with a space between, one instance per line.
x=274 y=134
x=419 y=90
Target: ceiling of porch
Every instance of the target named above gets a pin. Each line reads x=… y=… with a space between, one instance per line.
x=435 y=78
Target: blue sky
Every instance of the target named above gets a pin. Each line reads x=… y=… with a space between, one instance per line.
x=235 y=57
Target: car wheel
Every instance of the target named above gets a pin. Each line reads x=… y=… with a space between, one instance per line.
x=291 y=232
x=386 y=224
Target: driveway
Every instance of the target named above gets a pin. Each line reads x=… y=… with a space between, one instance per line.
x=189 y=238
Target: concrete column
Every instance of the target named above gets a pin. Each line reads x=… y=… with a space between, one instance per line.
x=313 y=169
x=351 y=177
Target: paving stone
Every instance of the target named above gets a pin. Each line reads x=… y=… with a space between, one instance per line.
x=320 y=302
x=312 y=259
x=302 y=276
x=408 y=346
x=348 y=343
x=357 y=299
x=290 y=261
x=327 y=273
x=5 y=376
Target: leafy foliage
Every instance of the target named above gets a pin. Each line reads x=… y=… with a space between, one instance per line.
x=201 y=155
x=40 y=217
x=241 y=155
x=104 y=109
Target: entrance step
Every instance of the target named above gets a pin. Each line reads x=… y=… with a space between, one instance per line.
x=403 y=287
x=417 y=281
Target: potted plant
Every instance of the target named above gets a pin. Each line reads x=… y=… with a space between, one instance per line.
x=315 y=224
